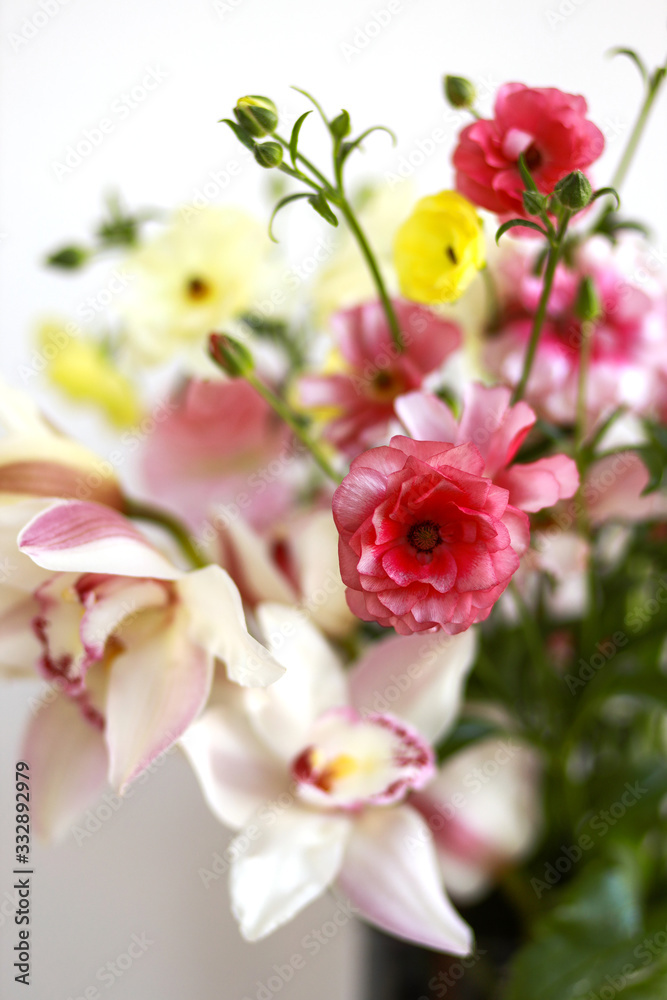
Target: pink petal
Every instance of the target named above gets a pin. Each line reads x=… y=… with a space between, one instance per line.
x=419 y=678
x=426 y=417
x=390 y=872
x=540 y=484
x=79 y=537
x=68 y=766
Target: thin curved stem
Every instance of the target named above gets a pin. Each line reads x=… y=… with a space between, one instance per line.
x=146 y=512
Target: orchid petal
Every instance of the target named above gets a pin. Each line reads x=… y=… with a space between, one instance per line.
x=79 y=537
x=68 y=765
x=390 y=872
x=217 y=623
x=314 y=681
x=285 y=868
x=236 y=772
x=419 y=678
x=157 y=687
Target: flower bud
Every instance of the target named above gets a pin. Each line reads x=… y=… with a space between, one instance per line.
x=257 y=115
x=574 y=191
x=534 y=202
x=231 y=355
x=69 y=258
x=459 y=92
x=269 y=154
x=587 y=304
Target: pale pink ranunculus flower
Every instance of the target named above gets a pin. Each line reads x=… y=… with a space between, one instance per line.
x=374 y=371
x=317 y=773
x=629 y=338
x=215 y=442
x=497 y=430
x=127 y=641
x=548 y=126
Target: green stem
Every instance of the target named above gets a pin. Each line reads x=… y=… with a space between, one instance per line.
x=584 y=364
x=145 y=512
x=549 y=272
x=636 y=134
x=285 y=414
x=306 y=162
x=369 y=257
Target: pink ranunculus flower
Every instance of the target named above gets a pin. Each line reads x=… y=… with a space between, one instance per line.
x=497 y=430
x=127 y=641
x=548 y=126
x=426 y=540
x=629 y=336
x=215 y=442
x=375 y=372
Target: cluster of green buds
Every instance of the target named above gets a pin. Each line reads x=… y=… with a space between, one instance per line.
x=257 y=117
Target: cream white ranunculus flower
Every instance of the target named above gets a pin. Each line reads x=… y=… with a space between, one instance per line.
x=199 y=273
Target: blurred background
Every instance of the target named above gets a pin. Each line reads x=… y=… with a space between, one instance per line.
x=161 y=73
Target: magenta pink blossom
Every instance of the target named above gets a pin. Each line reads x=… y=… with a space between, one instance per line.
x=629 y=337
x=376 y=371
x=426 y=541
x=548 y=126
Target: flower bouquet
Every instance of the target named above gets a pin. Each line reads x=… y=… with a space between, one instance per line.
x=388 y=566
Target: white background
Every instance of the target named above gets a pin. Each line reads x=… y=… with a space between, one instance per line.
x=138 y=874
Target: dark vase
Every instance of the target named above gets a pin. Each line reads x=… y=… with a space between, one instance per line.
x=396 y=970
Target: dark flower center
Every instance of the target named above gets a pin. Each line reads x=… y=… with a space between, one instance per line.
x=197 y=289
x=424 y=536
x=386 y=385
x=533 y=157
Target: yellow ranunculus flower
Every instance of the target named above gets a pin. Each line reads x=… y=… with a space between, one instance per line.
x=439 y=249
x=83 y=370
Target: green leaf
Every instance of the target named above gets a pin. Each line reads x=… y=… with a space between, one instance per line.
x=466 y=732
x=514 y=223
x=281 y=204
x=589 y=938
x=605 y=191
x=322 y=207
x=347 y=147
x=240 y=134
x=637 y=60
x=526 y=175
x=340 y=126
x=294 y=138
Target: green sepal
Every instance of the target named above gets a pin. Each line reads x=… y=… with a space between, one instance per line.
x=240 y=134
x=294 y=138
x=281 y=204
x=605 y=191
x=322 y=207
x=514 y=223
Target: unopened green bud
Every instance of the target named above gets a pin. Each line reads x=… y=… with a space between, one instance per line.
x=534 y=202
x=230 y=355
x=459 y=92
x=587 y=305
x=257 y=115
x=69 y=258
x=269 y=154
x=340 y=126
x=574 y=191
